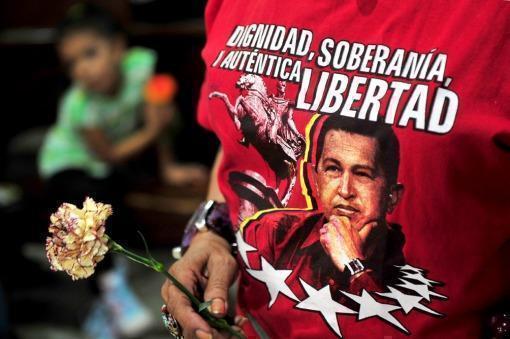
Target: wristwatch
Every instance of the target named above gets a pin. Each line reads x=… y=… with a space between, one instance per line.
x=355 y=266
x=210 y=215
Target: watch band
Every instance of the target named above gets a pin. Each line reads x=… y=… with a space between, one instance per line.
x=355 y=266
x=218 y=219
x=210 y=215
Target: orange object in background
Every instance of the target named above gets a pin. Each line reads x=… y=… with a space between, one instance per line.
x=160 y=89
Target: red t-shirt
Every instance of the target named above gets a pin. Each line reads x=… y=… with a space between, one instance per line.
x=431 y=75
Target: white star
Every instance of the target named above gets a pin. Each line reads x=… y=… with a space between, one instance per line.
x=422 y=290
x=369 y=307
x=320 y=300
x=408 y=267
x=406 y=301
x=421 y=278
x=243 y=247
x=274 y=280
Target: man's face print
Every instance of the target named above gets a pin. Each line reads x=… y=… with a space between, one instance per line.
x=349 y=181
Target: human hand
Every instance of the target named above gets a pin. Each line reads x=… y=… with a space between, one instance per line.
x=207 y=264
x=157 y=117
x=343 y=241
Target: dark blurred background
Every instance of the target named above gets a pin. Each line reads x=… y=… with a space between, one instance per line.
x=36 y=302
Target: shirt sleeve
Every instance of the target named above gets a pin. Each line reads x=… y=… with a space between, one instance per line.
x=139 y=64
x=260 y=234
x=203 y=116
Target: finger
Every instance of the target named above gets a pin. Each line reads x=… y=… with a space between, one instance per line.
x=192 y=324
x=325 y=243
x=203 y=281
x=237 y=329
x=225 y=334
x=220 y=335
x=331 y=231
x=341 y=219
x=201 y=334
x=341 y=223
x=333 y=218
x=222 y=269
x=239 y=320
x=180 y=307
x=339 y=228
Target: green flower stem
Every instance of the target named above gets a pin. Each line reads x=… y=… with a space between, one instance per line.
x=159 y=267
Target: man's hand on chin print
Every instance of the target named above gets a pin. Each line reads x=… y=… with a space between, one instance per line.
x=343 y=242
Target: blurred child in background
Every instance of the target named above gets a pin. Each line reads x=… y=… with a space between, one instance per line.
x=102 y=123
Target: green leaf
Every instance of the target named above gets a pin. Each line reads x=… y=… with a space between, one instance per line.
x=204 y=305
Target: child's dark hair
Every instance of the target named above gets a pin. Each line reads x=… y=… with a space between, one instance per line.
x=85 y=16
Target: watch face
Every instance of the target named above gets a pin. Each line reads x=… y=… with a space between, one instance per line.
x=355 y=266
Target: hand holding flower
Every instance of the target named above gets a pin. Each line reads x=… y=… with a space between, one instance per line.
x=78 y=242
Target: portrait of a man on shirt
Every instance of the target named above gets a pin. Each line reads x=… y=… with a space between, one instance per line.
x=353 y=173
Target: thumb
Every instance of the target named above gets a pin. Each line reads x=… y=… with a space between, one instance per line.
x=222 y=270
x=341 y=220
